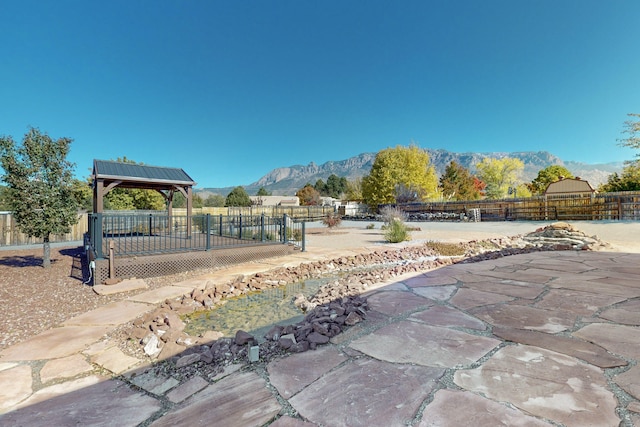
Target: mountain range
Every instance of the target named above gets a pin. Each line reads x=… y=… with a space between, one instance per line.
x=286 y=181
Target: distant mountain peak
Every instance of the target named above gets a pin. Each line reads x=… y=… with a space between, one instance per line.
x=287 y=180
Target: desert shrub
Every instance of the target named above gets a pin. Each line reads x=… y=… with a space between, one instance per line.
x=446 y=249
x=396 y=232
x=332 y=220
x=389 y=214
x=371 y=226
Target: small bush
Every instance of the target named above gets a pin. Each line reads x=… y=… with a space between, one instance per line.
x=332 y=220
x=396 y=232
x=371 y=226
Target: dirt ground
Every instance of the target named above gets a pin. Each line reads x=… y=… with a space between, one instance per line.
x=33 y=299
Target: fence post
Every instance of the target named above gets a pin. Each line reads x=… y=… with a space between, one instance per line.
x=262 y=227
x=150 y=223
x=220 y=233
x=208 y=229
x=97 y=234
x=304 y=235
x=240 y=226
x=284 y=228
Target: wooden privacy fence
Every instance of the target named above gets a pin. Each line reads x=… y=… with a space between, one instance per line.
x=10 y=234
x=605 y=206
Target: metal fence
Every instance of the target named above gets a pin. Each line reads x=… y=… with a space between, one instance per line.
x=158 y=233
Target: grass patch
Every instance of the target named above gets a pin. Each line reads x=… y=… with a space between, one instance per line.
x=446 y=249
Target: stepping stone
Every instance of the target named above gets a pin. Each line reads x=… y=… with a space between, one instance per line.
x=287 y=421
x=439 y=293
x=157 y=384
x=115 y=313
x=467 y=298
x=15 y=386
x=87 y=401
x=627 y=313
x=522 y=317
x=114 y=360
x=576 y=302
x=630 y=381
x=67 y=367
x=618 y=339
x=414 y=342
x=241 y=399
x=124 y=286
x=366 y=392
x=55 y=343
x=545 y=384
x=187 y=389
x=579 y=349
x=393 y=303
x=509 y=288
x=291 y=374
x=461 y=408
x=448 y=317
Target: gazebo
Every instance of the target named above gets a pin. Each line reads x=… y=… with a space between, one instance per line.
x=108 y=175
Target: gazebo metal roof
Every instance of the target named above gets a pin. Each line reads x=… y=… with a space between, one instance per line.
x=108 y=174
x=141 y=174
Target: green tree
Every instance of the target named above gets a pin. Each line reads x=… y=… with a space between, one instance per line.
x=5 y=204
x=308 y=196
x=628 y=180
x=409 y=166
x=335 y=186
x=214 y=200
x=548 y=175
x=238 y=197
x=83 y=194
x=457 y=183
x=499 y=175
x=40 y=179
x=320 y=187
x=632 y=129
x=179 y=201
x=263 y=192
x=353 y=190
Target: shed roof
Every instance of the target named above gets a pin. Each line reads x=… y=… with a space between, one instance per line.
x=131 y=172
x=569 y=186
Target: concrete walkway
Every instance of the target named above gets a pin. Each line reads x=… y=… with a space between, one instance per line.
x=542 y=339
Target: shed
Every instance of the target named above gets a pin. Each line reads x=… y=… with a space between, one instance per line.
x=109 y=174
x=570 y=187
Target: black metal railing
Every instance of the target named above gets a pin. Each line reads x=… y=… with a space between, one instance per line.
x=155 y=233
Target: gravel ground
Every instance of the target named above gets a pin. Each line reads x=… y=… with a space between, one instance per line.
x=33 y=299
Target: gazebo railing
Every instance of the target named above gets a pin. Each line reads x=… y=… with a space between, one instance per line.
x=156 y=233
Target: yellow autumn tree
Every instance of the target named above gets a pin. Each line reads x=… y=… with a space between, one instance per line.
x=399 y=170
x=499 y=175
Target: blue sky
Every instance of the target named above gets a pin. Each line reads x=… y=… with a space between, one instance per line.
x=229 y=90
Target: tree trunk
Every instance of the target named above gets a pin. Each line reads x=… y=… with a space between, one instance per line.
x=46 y=252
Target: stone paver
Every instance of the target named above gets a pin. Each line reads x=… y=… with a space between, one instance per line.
x=396 y=302
x=241 y=399
x=462 y=408
x=54 y=343
x=618 y=339
x=439 y=293
x=627 y=313
x=187 y=389
x=157 y=296
x=92 y=400
x=66 y=367
x=583 y=350
x=124 y=286
x=522 y=317
x=545 y=384
x=366 y=392
x=414 y=342
x=115 y=313
x=440 y=315
x=114 y=360
x=15 y=386
x=468 y=298
x=291 y=374
x=577 y=302
x=630 y=381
